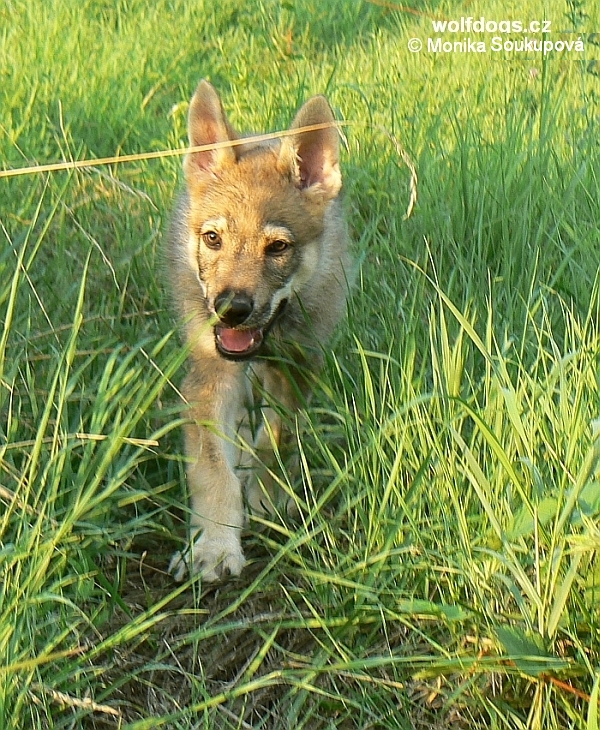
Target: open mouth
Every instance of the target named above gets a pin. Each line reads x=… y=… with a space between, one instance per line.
x=236 y=343
x=240 y=344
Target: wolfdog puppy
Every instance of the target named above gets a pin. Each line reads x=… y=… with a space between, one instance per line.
x=258 y=261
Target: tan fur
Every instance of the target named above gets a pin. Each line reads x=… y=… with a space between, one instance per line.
x=261 y=224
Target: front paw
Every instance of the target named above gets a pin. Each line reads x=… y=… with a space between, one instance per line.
x=214 y=557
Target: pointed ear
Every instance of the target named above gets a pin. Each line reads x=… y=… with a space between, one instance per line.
x=207 y=124
x=314 y=155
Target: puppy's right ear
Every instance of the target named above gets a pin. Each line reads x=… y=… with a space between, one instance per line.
x=207 y=124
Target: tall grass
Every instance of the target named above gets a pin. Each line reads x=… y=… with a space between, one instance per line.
x=444 y=571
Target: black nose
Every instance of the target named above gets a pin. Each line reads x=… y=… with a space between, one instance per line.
x=233 y=308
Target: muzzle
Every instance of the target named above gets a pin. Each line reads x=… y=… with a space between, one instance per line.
x=234 y=340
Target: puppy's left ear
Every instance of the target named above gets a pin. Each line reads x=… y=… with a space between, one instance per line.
x=314 y=157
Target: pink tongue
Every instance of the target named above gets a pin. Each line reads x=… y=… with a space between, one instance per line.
x=237 y=340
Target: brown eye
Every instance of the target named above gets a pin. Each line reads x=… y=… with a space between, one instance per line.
x=212 y=240
x=276 y=248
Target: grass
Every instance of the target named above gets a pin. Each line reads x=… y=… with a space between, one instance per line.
x=444 y=572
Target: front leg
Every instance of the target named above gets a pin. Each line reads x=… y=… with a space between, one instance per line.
x=284 y=391
x=217 y=513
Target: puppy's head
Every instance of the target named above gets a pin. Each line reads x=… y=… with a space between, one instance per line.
x=256 y=216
